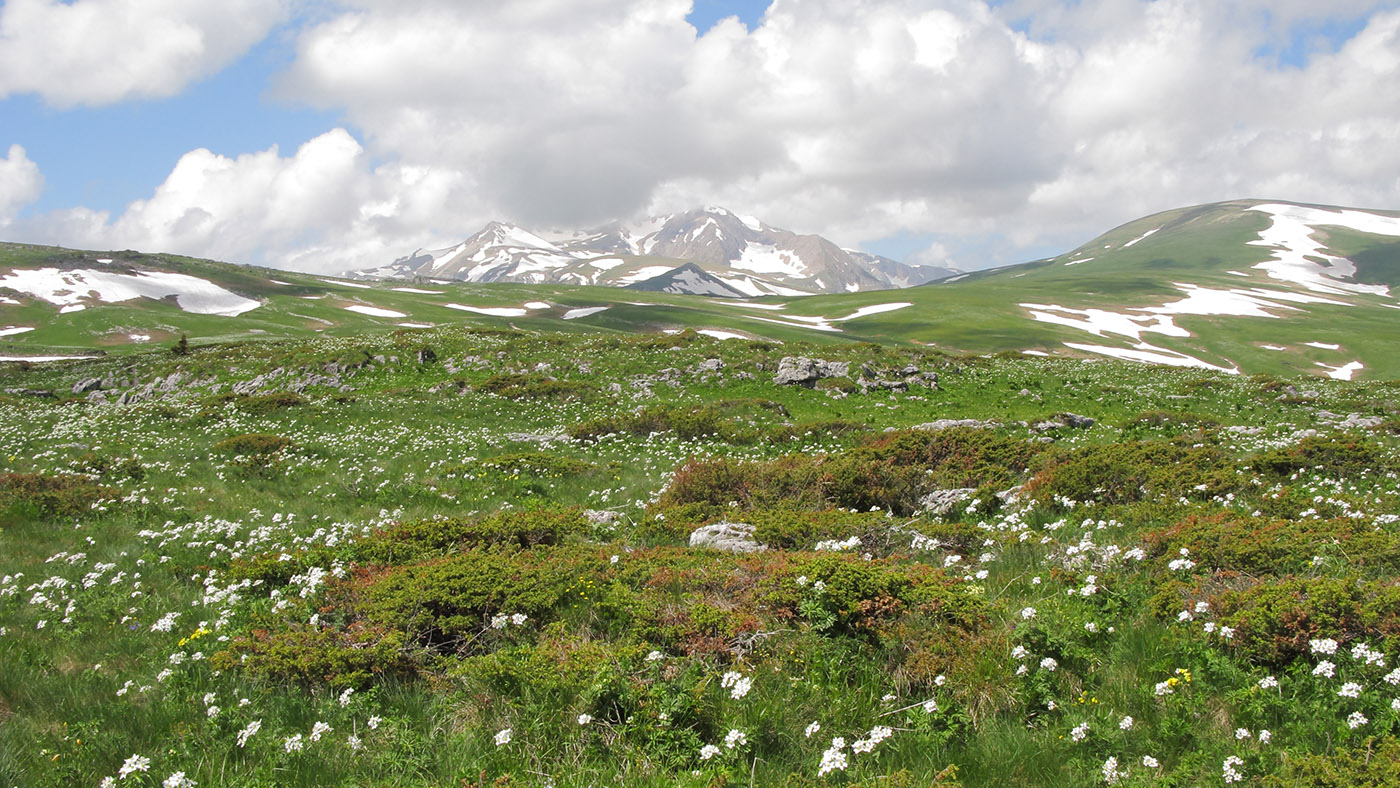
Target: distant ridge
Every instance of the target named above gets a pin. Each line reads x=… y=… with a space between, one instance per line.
x=748 y=256
x=688 y=279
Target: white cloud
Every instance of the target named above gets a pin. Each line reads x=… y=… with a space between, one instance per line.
x=103 y=51
x=20 y=183
x=322 y=208
x=1026 y=127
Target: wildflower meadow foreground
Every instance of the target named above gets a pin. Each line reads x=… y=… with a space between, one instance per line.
x=454 y=558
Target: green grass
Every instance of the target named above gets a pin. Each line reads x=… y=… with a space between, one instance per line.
x=409 y=442
x=981 y=313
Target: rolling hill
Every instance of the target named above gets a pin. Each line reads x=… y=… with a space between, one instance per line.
x=1243 y=286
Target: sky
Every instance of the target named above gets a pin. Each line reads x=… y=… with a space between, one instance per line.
x=327 y=135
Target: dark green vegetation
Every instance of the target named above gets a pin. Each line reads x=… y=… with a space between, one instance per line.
x=361 y=561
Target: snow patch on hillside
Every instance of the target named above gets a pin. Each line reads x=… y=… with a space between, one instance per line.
x=575 y=314
x=65 y=288
x=493 y=311
x=417 y=291
x=1343 y=372
x=751 y=305
x=768 y=259
x=1151 y=354
x=355 y=285
x=1291 y=238
x=1100 y=321
x=1142 y=237
x=1201 y=301
x=10 y=331
x=373 y=311
x=643 y=274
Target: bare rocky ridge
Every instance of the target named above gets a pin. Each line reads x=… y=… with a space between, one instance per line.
x=747 y=256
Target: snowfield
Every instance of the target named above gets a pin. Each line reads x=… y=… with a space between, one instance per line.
x=575 y=314
x=373 y=311
x=1291 y=238
x=67 y=288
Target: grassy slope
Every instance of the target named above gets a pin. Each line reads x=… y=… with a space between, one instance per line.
x=396 y=447
x=979 y=313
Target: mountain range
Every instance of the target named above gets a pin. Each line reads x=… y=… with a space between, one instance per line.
x=1240 y=287
x=709 y=251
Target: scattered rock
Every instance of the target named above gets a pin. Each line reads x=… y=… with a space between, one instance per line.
x=30 y=392
x=942 y=501
x=1011 y=495
x=87 y=384
x=543 y=438
x=1352 y=420
x=945 y=424
x=796 y=371
x=601 y=516
x=726 y=536
x=803 y=371
x=709 y=366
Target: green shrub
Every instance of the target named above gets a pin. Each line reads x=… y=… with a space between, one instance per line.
x=890 y=472
x=338 y=658
x=1134 y=471
x=1275 y=619
x=442 y=604
x=43 y=495
x=1260 y=545
x=789 y=529
x=253 y=445
x=1376 y=765
x=418 y=540
x=262 y=404
x=1337 y=456
x=110 y=467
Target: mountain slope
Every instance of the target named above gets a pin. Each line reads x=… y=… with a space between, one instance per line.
x=1242 y=286
x=748 y=255
x=688 y=279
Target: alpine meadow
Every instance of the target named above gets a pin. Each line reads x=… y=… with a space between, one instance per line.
x=699 y=394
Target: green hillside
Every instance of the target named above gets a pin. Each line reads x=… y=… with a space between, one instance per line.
x=458 y=557
x=1192 y=287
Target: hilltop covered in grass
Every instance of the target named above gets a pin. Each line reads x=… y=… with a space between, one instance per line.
x=455 y=557
x=1245 y=287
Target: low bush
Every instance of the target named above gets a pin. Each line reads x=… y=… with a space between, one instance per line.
x=418 y=540
x=535 y=386
x=1336 y=456
x=338 y=658
x=36 y=495
x=1275 y=619
x=1134 y=471
x=1265 y=545
x=445 y=603
x=253 y=445
x=891 y=472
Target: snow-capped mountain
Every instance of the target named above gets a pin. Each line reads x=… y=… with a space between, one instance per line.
x=737 y=254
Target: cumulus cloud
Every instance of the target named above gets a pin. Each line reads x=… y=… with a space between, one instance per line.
x=103 y=51
x=323 y=208
x=20 y=183
x=1036 y=120
x=999 y=130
